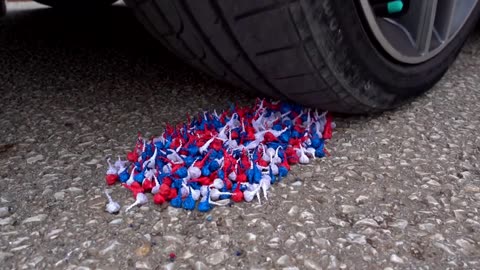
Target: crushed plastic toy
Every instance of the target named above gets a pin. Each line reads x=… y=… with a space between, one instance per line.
x=216 y=159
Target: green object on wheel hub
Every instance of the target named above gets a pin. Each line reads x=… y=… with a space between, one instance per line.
x=395 y=6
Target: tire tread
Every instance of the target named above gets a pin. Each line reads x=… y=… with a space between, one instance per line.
x=288 y=49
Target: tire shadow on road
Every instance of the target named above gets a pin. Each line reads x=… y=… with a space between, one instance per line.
x=49 y=46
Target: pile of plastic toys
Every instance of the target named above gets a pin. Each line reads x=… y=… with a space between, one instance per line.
x=218 y=159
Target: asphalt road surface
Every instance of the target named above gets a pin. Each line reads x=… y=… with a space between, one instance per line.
x=400 y=191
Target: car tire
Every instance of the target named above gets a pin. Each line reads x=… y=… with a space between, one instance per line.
x=317 y=53
x=3 y=8
x=77 y=4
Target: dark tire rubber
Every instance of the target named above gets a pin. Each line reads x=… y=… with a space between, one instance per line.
x=3 y=8
x=77 y=4
x=313 y=52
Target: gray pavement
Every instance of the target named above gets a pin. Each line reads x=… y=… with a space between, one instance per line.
x=400 y=191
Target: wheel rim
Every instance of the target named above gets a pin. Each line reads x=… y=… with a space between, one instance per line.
x=423 y=31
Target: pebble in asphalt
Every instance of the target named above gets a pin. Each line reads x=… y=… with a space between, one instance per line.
x=401 y=190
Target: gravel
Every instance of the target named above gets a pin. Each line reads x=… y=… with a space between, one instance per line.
x=401 y=189
x=5 y=211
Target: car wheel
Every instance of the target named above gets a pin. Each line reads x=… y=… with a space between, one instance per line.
x=349 y=56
